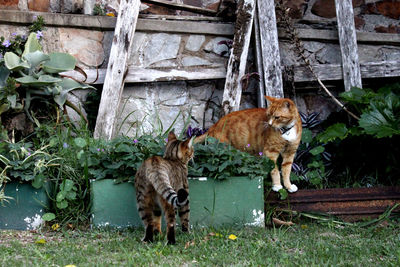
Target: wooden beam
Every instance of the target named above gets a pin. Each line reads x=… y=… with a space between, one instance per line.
x=183 y=7
x=348 y=44
x=259 y=62
x=334 y=72
x=142 y=75
x=194 y=27
x=117 y=66
x=270 y=49
x=332 y=36
x=88 y=6
x=238 y=58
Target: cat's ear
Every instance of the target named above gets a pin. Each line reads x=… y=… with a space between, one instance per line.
x=171 y=136
x=270 y=98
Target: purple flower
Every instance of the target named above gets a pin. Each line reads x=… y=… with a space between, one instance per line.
x=6 y=43
x=98 y=149
x=14 y=34
x=102 y=150
x=260 y=153
x=29 y=153
x=65 y=145
x=248 y=145
x=166 y=140
x=39 y=35
x=135 y=141
x=1 y=55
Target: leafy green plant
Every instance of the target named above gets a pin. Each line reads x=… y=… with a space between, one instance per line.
x=311 y=160
x=220 y=161
x=380 y=114
x=365 y=152
x=31 y=76
x=21 y=162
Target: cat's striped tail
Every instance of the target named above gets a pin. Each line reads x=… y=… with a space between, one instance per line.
x=177 y=200
x=164 y=189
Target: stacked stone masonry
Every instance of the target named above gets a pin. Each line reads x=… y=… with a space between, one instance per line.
x=154 y=106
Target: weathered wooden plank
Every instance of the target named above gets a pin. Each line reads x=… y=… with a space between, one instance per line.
x=333 y=72
x=117 y=66
x=163 y=22
x=108 y=23
x=270 y=49
x=180 y=18
x=88 y=6
x=259 y=66
x=141 y=75
x=348 y=44
x=332 y=35
x=238 y=57
x=180 y=6
x=220 y=29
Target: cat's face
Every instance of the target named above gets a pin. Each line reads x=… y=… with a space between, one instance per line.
x=280 y=112
x=179 y=150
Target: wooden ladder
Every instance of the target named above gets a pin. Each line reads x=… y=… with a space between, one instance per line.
x=262 y=12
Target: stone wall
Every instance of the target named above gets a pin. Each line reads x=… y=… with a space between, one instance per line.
x=145 y=106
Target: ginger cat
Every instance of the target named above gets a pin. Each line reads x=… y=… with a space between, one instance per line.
x=273 y=131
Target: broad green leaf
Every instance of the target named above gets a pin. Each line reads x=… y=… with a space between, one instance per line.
x=338 y=130
x=12 y=99
x=35 y=58
x=67 y=185
x=38 y=181
x=32 y=44
x=59 y=62
x=42 y=81
x=80 y=142
x=14 y=62
x=71 y=195
x=283 y=194
x=48 y=216
x=317 y=150
x=62 y=205
x=4 y=73
x=60 y=196
x=306 y=136
x=4 y=108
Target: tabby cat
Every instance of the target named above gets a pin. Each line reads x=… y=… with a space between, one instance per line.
x=273 y=131
x=161 y=183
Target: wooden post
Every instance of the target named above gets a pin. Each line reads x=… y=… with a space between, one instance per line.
x=117 y=66
x=88 y=6
x=259 y=62
x=270 y=48
x=238 y=58
x=348 y=44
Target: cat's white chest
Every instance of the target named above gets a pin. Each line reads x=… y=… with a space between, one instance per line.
x=290 y=135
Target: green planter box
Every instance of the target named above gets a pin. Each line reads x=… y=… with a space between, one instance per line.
x=25 y=210
x=234 y=201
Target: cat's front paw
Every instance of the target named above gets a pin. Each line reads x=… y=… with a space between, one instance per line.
x=293 y=188
x=276 y=187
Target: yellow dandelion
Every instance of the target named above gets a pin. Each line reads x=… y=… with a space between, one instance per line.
x=55 y=226
x=40 y=241
x=110 y=14
x=70 y=265
x=232 y=237
x=303 y=226
x=218 y=235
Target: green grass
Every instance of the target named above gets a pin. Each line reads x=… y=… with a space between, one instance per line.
x=301 y=245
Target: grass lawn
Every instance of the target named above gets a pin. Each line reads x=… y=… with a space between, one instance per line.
x=300 y=245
